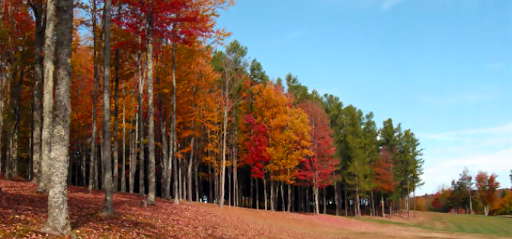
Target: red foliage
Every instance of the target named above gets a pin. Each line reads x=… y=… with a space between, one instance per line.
x=256 y=145
x=383 y=177
x=318 y=169
x=486 y=186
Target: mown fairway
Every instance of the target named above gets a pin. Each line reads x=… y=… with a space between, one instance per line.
x=474 y=224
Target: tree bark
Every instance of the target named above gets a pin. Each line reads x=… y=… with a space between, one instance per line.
x=337 y=198
x=93 y=176
x=265 y=193
x=16 y=96
x=324 y=200
x=105 y=149
x=115 y=148
x=224 y=142
x=165 y=167
x=289 y=198
x=123 y=164
x=358 y=208
x=49 y=47
x=57 y=222
x=172 y=141
x=151 y=122
x=315 y=194
x=346 y=202
x=382 y=204
x=37 y=8
x=141 y=125
x=189 y=168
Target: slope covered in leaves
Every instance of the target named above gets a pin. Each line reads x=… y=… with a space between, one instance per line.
x=22 y=213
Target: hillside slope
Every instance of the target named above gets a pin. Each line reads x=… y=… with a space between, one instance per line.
x=22 y=213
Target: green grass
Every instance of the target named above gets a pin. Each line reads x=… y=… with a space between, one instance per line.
x=498 y=226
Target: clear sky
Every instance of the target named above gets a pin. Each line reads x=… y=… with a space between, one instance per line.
x=442 y=68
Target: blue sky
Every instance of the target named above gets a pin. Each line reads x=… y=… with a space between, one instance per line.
x=442 y=68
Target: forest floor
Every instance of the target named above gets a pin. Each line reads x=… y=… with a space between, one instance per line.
x=23 y=212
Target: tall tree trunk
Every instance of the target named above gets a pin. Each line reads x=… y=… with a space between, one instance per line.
x=337 y=198
x=141 y=124
x=83 y=167
x=151 y=122
x=289 y=198
x=272 y=193
x=346 y=202
x=105 y=149
x=224 y=142
x=315 y=194
x=189 y=168
x=358 y=208
x=382 y=205
x=282 y=197
x=257 y=194
x=115 y=148
x=57 y=222
x=133 y=155
x=470 y=201
x=324 y=200
x=123 y=167
x=235 y=166
x=16 y=126
x=197 y=180
x=172 y=141
x=210 y=187
x=49 y=46
x=37 y=8
x=373 y=205
x=165 y=162
x=2 y=85
x=265 y=192
x=93 y=176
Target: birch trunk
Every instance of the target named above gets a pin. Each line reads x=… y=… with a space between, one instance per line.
x=57 y=222
x=224 y=146
x=189 y=168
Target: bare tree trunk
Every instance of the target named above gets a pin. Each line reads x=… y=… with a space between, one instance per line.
x=57 y=222
x=93 y=176
x=358 y=208
x=189 y=168
x=123 y=167
x=165 y=162
x=325 y=204
x=172 y=142
x=224 y=146
x=2 y=85
x=37 y=8
x=105 y=149
x=282 y=197
x=115 y=148
x=133 y=156
x=289 y=198
x=16 y=96
x=151 y=122
x=382 y=204
x=346 y=202
x=315 y=194
x=373 y=205
x=49 y=46
x=272 y=190
x=470 y=201
x=235 y=166
x=257 y=194
x=337 y=198
x=197 y=180
x=265 y=192
x=141 y=125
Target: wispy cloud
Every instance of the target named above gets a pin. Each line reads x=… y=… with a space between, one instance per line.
x=388 y=4
x=458 y=99
x=495 y=65
x=460 y=135
x=487 y=149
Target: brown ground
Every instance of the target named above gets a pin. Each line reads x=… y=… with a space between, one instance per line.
x=22 y=213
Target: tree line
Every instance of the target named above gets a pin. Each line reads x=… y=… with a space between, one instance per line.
x=151 y=101
x=470 y=195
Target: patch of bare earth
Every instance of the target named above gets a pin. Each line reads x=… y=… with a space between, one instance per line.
x=23 y=212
